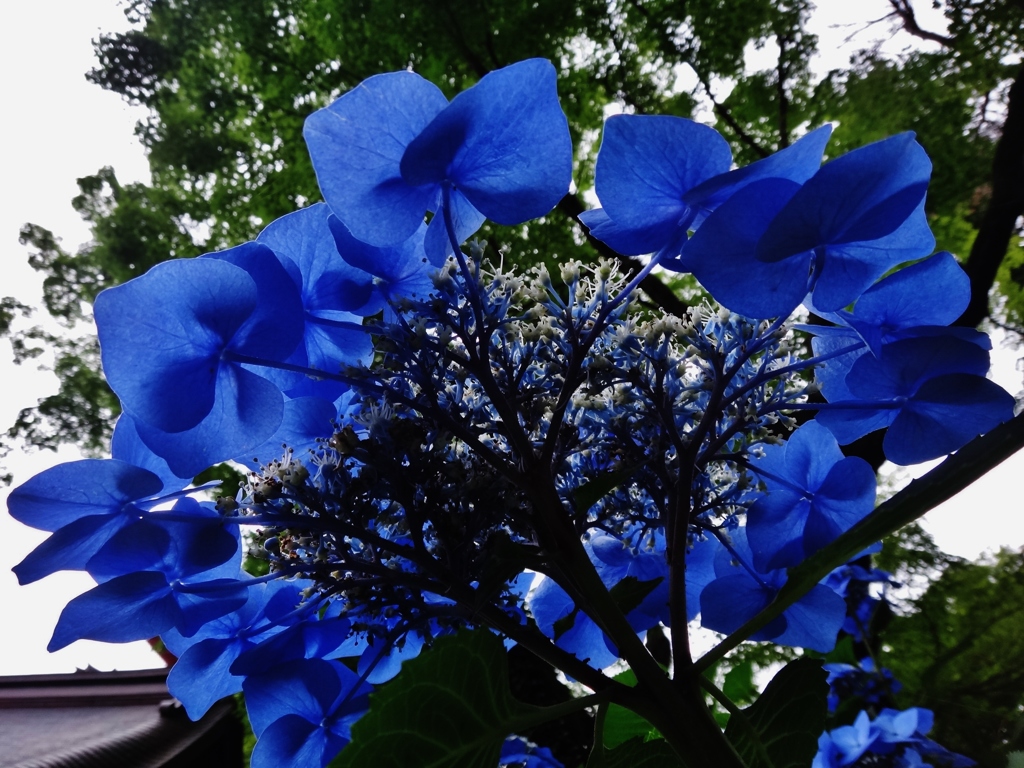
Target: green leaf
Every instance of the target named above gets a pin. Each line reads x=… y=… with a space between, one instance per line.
x=449 y=708
x=738 y=687
x=621 y=725
x=637 y=753
x=843 y=653
x=565 y=623
x=781 y=729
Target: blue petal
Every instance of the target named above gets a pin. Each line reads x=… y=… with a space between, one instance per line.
x=142 y=545
x=864 y=195
x=729 y=601
x=77 y=489
x=275 y=326
x=247 y=411
x=381 y=661
x=852 y=424
x=845 y=497
x=201 y=676
x=403 y=269
x=945 y=414
x=294 y=742
x=357 y=144
x=721 y=254
x=848 y=269
x=69 y=548
x=804 y=460
x=895 y=379
x=132 y=607
x=126 y=445
x=631 y=242
x=304 y=688
x=466 y=220
x=797 y=162
x=329 y=284
x=935 y=291
x=647 y=164
x=310 y=638
x=814 y=620
x=504 y=143
x=306 y=420
x=775 y=529
x=904 y=365
x=550 y=605
x=162 y=336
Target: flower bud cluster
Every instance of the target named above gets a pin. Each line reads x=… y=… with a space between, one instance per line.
x=494 y=376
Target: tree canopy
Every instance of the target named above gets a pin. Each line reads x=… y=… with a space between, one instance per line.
x=229 y=84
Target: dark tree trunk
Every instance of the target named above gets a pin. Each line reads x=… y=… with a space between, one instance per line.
x=1004 y=208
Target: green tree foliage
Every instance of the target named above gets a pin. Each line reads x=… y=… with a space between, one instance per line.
x=229 y=83
x=960 y=653
x=134 y=227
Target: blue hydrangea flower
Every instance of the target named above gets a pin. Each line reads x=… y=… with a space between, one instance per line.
x=776 y=240
x=302 y=712
x=658 y=177
x=739 y=592
x=173 y=339
x=929 y=392
x=386 y=151
x=814 y=494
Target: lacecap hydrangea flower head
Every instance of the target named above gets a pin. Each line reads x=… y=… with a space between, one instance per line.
x=537 y=456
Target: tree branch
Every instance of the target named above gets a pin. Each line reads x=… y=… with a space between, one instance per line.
x=781 y=89
x=905 y=11
x=723 y=112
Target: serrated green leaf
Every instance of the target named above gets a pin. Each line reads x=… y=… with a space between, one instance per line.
x=637 y=753
x=781 y=728
x=449 y=708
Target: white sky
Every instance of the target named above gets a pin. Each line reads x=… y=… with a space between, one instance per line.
x=59 y=127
